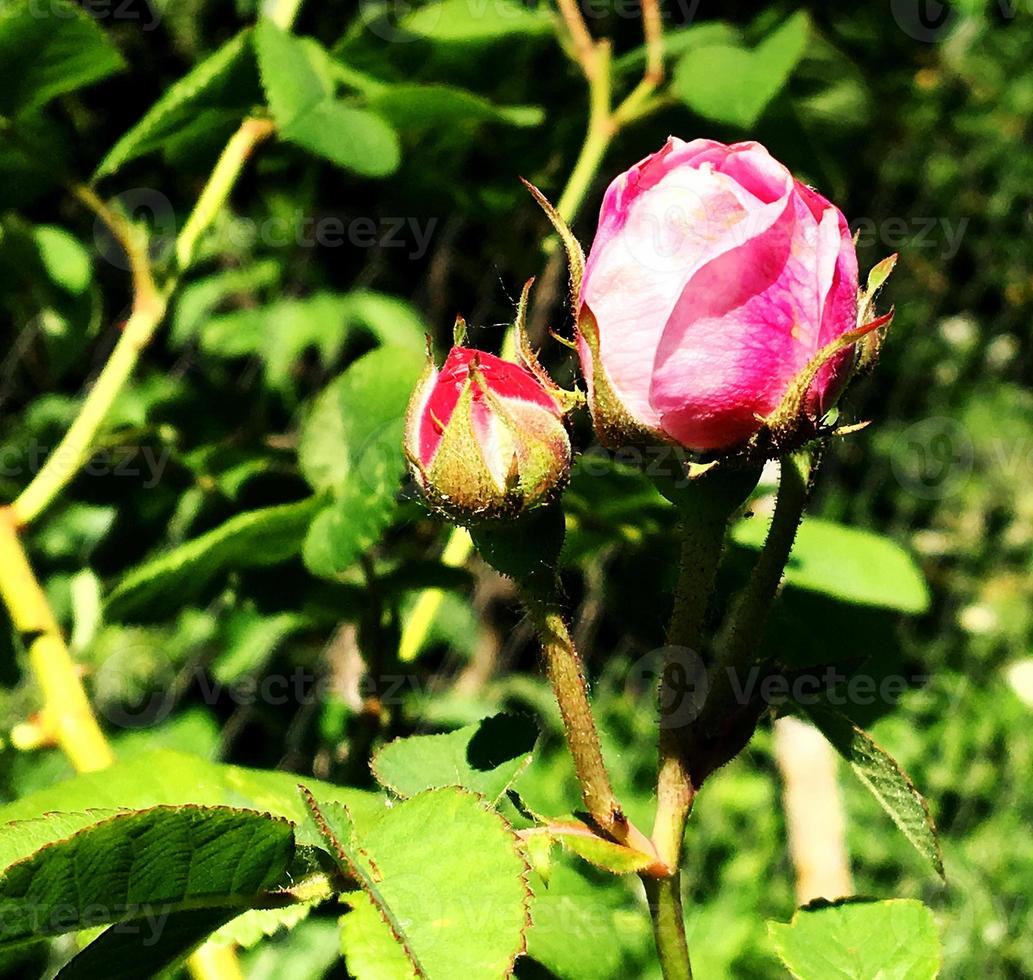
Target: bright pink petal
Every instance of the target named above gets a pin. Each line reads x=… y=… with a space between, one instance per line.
x=744 y=326
x=503 y=378
x=661 y=221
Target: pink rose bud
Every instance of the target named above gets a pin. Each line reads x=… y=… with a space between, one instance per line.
x=719 y=302
x=485 y=438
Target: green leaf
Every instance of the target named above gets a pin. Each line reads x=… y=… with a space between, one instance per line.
x=860 y=940
x=250 y=540
x=47 y=50
x=280 y=333
x=411 y=107
x=585 y=929
x=679 y=42
x=299 y=84
x=445 y=875
x=138 y=949
x=392 y=321
x=166 y=857
x=253 y=926
x=22 y=838
x=351 y=441
x=66 y=260
x=349 y=527
x=196 y=301
x=222 y=87
x=885 y=780
x=734 y=85
x=165 y=777
x=846 y=563
x=578 y=838
x=485 y=758
x=293 y=75
x=473 y=22
x=356 y=139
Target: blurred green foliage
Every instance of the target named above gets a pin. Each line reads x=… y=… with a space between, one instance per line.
x=212 y=615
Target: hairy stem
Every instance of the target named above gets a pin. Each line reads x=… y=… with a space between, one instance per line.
x=567 y=677
x=753 y=605
x=703 y=532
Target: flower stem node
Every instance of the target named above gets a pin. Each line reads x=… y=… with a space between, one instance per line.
x=486 y=438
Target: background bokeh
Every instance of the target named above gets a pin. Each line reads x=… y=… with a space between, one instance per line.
x=912 y=116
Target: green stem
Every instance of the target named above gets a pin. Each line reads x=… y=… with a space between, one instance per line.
x=665 y=905
x=703 y=533
x=598 y=135
x=149 y=307
x=739 y=649
x=227 y=170
x=706 y=505
x=67 y=717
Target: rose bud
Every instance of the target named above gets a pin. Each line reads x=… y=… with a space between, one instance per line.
x=485 y=438
x=719 y=304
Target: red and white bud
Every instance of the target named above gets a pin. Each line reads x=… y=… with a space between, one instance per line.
x=485 y=438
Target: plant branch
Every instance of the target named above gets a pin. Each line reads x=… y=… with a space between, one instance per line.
x=149 y=307
x=727 y=721
x=567 y=677
x=580 y=37
x=242 y=144
x=132 y=241
x=67 y=717
x=739 y=648
x=653 y=29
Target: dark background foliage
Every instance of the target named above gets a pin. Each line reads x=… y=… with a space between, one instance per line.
x=920 y=132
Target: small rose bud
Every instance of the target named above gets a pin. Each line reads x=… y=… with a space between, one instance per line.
x=485 y=438
x=719 y=303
